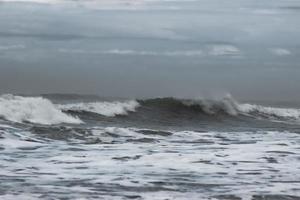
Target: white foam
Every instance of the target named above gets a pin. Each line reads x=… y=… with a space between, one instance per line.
x=270 y=111
x=230 y=106
x=226 y=158
x=33 y=109
x=109 y=109
x=19 y=196
x=227 y=104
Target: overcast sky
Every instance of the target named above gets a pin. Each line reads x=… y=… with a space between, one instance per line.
x=147 y=48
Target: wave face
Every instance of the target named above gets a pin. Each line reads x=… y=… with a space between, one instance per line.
x=33 y=109
x=225 y=106
x=109 y=109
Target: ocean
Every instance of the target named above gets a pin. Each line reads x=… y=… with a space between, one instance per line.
x=62 y=146
x=189 y=99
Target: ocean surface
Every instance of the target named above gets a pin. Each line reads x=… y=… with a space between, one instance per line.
x=87 y=147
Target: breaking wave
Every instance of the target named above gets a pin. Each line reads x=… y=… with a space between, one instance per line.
x=109 y=109
x=226 y=106
x=284 y=113
x=40 y=110
x=34 y=110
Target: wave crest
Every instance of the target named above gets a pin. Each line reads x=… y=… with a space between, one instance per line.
x=265 y=111
x=226 y=105
x=33 y=109
x=109 y=109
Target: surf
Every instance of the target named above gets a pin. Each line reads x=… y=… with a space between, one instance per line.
x=34 y=110
x=41 y=110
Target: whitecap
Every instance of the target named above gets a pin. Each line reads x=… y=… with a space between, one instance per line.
x=33 y=109
x=109 y=109
x=288 y=113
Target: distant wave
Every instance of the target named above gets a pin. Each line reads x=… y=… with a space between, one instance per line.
x=33 y=1
x=224 y=50
x=135 y=52
x=206 y=50
x=33 y=109
x=153 y=53
x=280 y=52
x=109 y=109
x=12 y=47
x=128 y=5
x=40 y=110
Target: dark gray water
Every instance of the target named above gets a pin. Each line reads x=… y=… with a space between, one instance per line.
x=86 y=147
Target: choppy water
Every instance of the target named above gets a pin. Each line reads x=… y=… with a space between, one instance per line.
x=74 y=147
